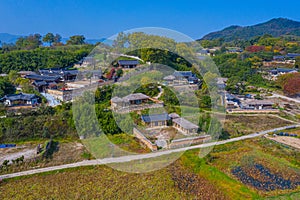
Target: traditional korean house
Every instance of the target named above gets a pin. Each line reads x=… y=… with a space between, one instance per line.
x=35 y=77
x=40 y=86
x=128 y=63
x=129 y=100
x=258 y=105
x=65 y=75
x=155 y=120
x=181 y=78
x=185 y=126
x=20 y=99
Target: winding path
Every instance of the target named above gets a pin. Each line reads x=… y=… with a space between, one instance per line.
x=140 y=156
x=284 y=97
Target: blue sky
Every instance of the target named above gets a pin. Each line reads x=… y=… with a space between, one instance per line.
x=97 y=19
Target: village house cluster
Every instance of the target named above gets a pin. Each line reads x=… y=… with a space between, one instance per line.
x=280 y=65
x=247 y=103
x=160 y=120
x=58 y=84
x=181 y=78
x=154 y=123
x=134 y=102
x=61 y=84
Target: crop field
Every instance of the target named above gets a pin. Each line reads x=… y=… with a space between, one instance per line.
x=255 y=169
x=269 y=168
x=100 y=182
x=238 y=125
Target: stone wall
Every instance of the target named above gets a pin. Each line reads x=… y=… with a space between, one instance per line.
x=189 y=141
x=62 y=95
x=138 y=134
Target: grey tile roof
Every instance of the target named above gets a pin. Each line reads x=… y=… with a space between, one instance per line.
x=186 y=74
x=155 y=117
x=185 y=123
x=57 y=72
x=174 y=115
x=259 y=102
x=40 y=83
x=292 y=55
x=42 y=78
x=116 y=99
x=282 y=70
x=135 y=96
x=169 y=78
x=20 y=96
x=130 y=97
x=128 y=62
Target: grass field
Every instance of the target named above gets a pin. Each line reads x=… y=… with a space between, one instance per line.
x=190 y=177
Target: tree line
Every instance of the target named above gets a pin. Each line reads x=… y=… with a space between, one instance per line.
x=35 y=59
x=36 y=40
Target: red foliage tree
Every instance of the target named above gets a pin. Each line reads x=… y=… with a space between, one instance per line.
x=255 y=48
x=111 y=74
x=292 y=85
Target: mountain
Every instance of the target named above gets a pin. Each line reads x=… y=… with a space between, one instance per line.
x=275 y=27
x=8 y=38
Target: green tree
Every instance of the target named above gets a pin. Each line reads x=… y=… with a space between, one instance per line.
x=13 y=76
x=76 y=40
x=25 y=84
x=57 y=39
x=50 y=38
x=6 y=87
x=119 y=72
x=29 y=42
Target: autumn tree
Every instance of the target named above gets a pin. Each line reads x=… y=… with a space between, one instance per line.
x=292 y=85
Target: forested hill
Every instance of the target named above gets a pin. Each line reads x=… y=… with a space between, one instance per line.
x=275 y=27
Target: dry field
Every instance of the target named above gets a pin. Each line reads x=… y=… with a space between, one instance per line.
x=238 y=125
x=290 y=141
x=251 y=169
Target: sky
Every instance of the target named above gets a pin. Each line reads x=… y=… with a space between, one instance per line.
x=101 y=19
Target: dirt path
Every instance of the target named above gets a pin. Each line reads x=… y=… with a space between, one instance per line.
x=290 y=141
x=27 y=153
x=161 y=91
x=285 y=97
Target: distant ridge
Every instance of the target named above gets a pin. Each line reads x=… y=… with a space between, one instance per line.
x=275 y=27
x=8 y=38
